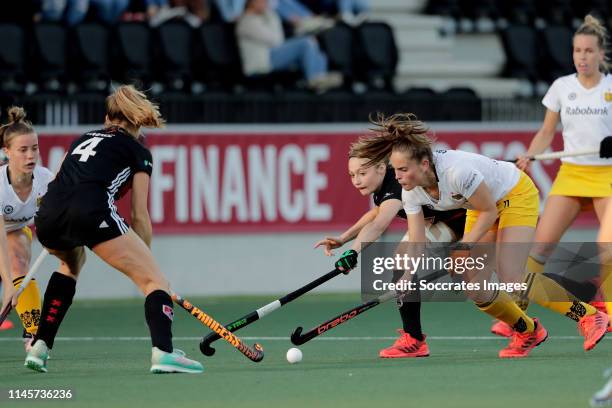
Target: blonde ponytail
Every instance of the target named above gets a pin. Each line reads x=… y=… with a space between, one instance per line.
x=129 y=104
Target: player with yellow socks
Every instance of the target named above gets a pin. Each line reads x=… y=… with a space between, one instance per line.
x=580 y=102
x=22 y=184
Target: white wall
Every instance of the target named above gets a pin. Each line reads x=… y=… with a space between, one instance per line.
x=273 y=264
x=218 y=265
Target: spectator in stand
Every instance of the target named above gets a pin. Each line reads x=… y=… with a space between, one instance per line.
x=300 y=17
x=230 y=10
x=194 y=12
x=264 y=49
x=352 y=12
x=72 y=12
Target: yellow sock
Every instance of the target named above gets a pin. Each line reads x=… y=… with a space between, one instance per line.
x=606 y=285
x=549 y=294
x=29 y=305
x=533 y=267
x=503 y=308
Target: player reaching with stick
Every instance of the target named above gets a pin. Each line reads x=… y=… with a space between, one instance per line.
x=79 y=210
x=378 y=180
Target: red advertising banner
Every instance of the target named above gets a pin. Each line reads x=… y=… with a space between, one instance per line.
x=258 y=182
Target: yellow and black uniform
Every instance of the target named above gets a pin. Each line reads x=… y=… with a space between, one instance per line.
x=18 y=214
x=459 y=174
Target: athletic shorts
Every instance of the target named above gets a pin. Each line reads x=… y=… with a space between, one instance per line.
x=84 y=217
x=575 y=180
x=519 y=208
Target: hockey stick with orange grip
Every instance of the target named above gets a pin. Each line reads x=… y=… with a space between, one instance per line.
x=254 y=353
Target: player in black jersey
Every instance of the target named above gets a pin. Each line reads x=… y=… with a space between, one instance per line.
x=79 y=210
x=378 y=180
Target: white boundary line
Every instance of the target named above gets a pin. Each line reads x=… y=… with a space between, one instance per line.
x=280 y=338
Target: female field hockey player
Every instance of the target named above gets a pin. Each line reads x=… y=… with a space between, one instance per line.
x=22 y=185
x=378 y=180
x=79 y=210
x=582 y=102
x=502 y=204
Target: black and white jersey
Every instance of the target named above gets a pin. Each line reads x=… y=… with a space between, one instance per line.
x=108 y=158
x=389 y=190
x=79 y=207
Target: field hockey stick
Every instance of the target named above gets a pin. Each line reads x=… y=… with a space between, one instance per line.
x=255 y=353
x=25 y=282
x=560 y=155
x=244 y=321
x=603 y=151
x=298 y=338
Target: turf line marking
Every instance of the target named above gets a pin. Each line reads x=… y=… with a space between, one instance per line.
x=276 y=338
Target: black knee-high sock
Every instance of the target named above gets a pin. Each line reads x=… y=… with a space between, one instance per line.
x=410 y=309
x=410 y=312
x=159 y=314
x=58 y=298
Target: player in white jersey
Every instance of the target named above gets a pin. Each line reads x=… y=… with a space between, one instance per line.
x=502 y=205
x=582 y=102
x=22 y=185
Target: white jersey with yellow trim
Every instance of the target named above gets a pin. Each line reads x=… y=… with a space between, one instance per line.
x=459 y=174
x=18 y=214
x=586 y=115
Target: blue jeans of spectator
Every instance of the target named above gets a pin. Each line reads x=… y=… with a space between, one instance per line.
x=349 y=6
x=290 y=9
x=303 y=52
x=69 y=11
x=109 y=11
x=156 y=3
x=230 y=10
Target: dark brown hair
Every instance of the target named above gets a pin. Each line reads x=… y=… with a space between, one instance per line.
x=399 y=132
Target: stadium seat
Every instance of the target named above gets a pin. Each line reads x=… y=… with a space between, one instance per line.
x=132 y=53
x=377 y=55
x=518 y=11
x=447 y=8
x=556 y=11
x=89 y=59
x=520 y=45
x=475 y=9
x=423 y=102
x=173 y=61
x=48 y=56
x=12 y=58
x=337 y=43
x=461 y=104
x=557 y=44
x=217 y=60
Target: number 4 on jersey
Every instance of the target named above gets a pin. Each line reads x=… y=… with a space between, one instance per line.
x=87 y=148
